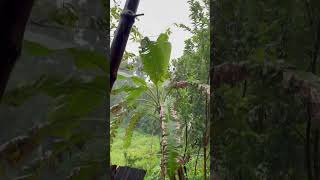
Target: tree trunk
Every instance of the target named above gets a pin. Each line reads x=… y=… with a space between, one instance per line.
x=316 y=155
x=121 y=37
x=205 y=140
x=163 y=143
x=316 y=132
x=14 y=15
x=204 y=162
x=308 y=144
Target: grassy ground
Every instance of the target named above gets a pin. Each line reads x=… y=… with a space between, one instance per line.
x=144 y=153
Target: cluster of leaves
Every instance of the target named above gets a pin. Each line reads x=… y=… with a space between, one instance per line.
x=139 y=86
x=192 y=71
x=66 y=15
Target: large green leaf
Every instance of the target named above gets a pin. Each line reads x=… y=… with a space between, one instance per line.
x=54 y=87
x=74 y=99
x=139 y=81
x=155 y=57
x=83 y=59
x=133 y=93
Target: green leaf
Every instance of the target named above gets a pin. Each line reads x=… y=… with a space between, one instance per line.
x=86 y=59
x=36 y=49
x=129 y=131
x=54 y=87
x=139 y=81
x=114 y=125
x=260 y=55
x=133 y=95
x=74 y=99
x=123 y=75
x=155 y=57
x=126 y=89
x=71 y=108
x=66 y=15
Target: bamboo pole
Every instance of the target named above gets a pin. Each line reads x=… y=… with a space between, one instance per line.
x=120 y=40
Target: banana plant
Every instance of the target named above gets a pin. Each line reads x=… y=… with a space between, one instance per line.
x=153 y=99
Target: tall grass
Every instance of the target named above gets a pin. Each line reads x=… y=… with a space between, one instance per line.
x=144 y=153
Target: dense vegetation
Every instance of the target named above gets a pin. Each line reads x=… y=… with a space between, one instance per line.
x=264 y=98
x=265 y=105
x=166 y=99
x=56 y=97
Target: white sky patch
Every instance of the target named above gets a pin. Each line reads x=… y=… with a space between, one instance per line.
x=158 y=16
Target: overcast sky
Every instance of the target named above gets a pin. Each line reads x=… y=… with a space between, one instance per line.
x=158 y=16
